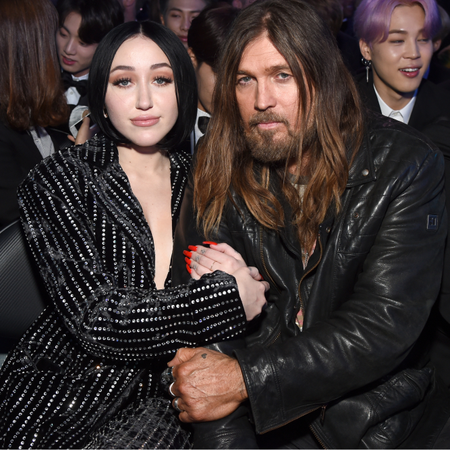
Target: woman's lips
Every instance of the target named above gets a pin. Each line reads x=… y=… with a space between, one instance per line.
x=145 y=121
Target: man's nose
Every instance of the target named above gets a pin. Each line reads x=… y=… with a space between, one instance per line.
x=70 y=47
x=186 y=22
x=412 y=50
x=265 y=96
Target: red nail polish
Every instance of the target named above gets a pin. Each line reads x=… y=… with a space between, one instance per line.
x=186 y=253
x=188 y=261
x=210 y=243
x=188 y=269
x=192 y=247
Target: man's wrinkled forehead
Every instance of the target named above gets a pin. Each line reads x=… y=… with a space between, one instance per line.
x=256 y=56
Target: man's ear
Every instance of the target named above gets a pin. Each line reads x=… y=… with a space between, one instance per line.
x=193 y=58
x=365 y=49
x=437 y=45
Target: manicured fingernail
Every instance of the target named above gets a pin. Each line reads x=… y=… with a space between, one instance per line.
x=188 y=269
x=186 y=253
x=188 y=261
x=192 y=247
x=210 y=243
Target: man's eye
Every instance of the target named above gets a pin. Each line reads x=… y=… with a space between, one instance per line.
x=244 y=80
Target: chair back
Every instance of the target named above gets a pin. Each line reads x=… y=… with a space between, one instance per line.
x=21 y=295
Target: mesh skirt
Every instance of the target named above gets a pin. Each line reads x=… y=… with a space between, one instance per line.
x=153 y=424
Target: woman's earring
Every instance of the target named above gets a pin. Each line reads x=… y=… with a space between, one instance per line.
x=368 y=64
x=105 y=114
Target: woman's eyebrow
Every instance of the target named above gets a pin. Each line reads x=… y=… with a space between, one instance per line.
x=152 y=67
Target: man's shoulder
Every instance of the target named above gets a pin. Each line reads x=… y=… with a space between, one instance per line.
x=391 y=150
x=389 y=138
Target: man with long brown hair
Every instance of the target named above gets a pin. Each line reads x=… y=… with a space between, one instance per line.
x=343 y=214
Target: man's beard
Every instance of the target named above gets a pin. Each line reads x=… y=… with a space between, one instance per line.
x=261 y=143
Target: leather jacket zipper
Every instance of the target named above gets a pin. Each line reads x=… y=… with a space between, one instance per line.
x=302 y=306
x=315 y=434
x=266 y=272
x=279 y=333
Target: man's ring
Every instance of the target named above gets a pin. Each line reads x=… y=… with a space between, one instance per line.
x=212 y=265
x=170 y=390
x=175 y=405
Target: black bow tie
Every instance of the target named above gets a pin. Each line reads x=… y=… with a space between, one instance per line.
x=203 y=123
x=68 y=81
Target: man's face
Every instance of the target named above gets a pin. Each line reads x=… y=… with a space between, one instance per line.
x=179 y=16
x=268 y=100
x=74 y=55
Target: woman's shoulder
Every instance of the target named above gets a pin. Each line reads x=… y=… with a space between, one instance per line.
x=69 y=163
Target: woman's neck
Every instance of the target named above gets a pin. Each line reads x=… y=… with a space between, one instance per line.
x=142 y=160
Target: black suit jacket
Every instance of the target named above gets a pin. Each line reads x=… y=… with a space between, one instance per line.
x=18 y=155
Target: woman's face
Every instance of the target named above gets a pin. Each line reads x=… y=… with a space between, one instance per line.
x=140 y=98
x=400 y=62
x=74 y=55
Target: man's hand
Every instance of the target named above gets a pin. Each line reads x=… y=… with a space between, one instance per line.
x=210 y=384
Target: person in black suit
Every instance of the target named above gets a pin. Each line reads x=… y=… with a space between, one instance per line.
x=31 y=94
x=207 y=35
x=397 y=59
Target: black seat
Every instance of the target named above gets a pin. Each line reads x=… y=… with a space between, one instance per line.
x=21 y=295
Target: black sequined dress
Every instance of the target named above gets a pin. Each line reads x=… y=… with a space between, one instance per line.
x=94 y=356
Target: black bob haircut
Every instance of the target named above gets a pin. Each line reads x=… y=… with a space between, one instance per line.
x=98 y=17
x=183 y=73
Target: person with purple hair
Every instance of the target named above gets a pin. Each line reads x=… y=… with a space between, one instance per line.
x=396 y=39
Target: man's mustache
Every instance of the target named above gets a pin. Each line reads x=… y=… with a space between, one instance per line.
x=266 y=116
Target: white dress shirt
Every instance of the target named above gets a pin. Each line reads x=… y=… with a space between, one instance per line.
x=402 y=115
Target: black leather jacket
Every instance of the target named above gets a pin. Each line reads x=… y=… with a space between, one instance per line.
x=367 y=293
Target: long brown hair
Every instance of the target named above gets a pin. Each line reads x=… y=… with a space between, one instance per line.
x=330 y=125
x=31 y=91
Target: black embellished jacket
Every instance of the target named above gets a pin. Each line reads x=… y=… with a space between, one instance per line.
x=107 y=332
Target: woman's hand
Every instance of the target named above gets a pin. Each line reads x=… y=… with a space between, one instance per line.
x=201 y=260
x=251 y=291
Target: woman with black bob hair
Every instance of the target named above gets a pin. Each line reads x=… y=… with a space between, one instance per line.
x=99 y=218
x=183 y=74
